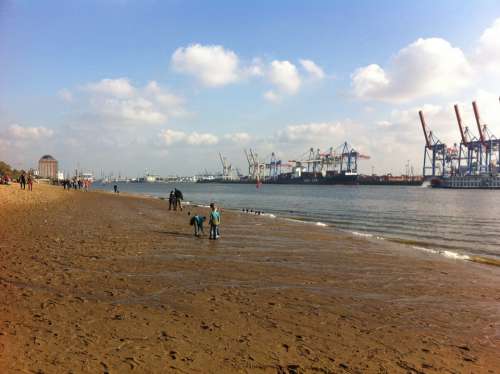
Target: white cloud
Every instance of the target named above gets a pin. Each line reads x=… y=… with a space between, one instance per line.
x=238 y=137
x=120 y=88
x=369 y=80
x=314 y=70
x=255 y=69
x=136 y=110
x=426 y=67
x=284 y=75
x=384 y=124
x=119 y=101
x=271 y=96
x=403 y=125
x=195 y=138
x=170 y=137
x=312 y=132
x=65 y=95
x=488 y=49
x=212 y=65
x=17 y=132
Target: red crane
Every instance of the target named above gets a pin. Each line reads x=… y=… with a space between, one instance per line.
x=424 y=127
x=478 y=121
x=460 y=126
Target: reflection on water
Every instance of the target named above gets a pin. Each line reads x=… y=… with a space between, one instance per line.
x=463 y=220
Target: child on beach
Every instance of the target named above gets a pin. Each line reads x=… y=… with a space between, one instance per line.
x=197 y=222
x=214 y=222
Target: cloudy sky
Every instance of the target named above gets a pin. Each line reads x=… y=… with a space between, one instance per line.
x=125 y=86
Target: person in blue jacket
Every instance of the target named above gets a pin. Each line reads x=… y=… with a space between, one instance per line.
x=214 y=222
x=197 y=222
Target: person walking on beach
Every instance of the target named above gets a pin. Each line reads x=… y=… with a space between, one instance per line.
x=171 y=201
x=22 y=181
x=30 y=182
x=178 y=199
x=214 y=222
x=115 y=188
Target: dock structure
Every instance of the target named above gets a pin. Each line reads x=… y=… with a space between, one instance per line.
x=474 y=156
x=314 y=162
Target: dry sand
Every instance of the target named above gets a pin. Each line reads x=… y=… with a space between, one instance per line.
x=96 y=283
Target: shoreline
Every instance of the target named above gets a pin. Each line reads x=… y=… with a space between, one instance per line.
x=94 y=283
x=448 y=252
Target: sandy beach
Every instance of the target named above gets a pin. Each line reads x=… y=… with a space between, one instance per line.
x=99 y=283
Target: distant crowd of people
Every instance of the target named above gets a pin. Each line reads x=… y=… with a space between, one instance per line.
x=251 y=211
x=76 y=183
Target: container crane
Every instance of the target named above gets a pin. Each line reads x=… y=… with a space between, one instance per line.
x=435 y=152
x=470 y=148
x=484 y=147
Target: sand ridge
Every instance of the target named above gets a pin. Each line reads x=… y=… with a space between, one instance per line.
x=93 y=282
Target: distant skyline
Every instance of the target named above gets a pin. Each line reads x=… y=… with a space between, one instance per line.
x=128 y=86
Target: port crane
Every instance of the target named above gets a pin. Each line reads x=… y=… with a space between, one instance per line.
x=490 y=146
x=474 y=156
x=256 y=168
x=227 y=168
x=343 y=159
x=470 y=148
x=436 y=154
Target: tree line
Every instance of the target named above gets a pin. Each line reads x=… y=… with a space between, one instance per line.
x=6 y=169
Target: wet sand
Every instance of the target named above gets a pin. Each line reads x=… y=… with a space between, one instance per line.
x=97 y=283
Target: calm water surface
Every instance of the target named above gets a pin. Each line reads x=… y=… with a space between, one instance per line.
x=458 y=221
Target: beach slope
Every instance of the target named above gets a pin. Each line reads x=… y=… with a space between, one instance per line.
x=101 y=283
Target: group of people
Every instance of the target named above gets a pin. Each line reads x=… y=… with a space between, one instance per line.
x=175 y=199
x=26 y=179
x=76 y=184
x=258 y=212
x=214 y=222
x=5 y=179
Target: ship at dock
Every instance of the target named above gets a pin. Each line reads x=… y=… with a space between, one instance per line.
x=472 y=164
x=333 y=166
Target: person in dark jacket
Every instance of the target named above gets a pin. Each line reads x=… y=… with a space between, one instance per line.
x=22 y=181
x=171 y=201
x=178 y=199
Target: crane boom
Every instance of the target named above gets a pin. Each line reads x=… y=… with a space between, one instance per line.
x=460 y=126
x=478 y=122
x=424 y=127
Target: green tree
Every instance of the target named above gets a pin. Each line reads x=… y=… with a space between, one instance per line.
x=5 y=168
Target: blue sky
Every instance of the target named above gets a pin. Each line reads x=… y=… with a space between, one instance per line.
x=75 y=75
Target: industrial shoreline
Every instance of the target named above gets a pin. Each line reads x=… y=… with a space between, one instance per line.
x=99 y=283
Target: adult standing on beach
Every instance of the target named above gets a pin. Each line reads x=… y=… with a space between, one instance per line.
x=22 y=181
x=178 y=198
x=171 y=201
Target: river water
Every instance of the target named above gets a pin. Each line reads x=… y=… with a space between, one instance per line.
x=456 y=223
